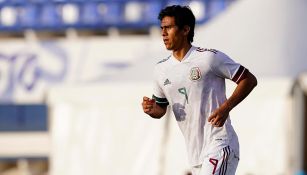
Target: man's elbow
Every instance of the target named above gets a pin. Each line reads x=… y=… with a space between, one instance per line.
x=253 y=80
x=157 y=117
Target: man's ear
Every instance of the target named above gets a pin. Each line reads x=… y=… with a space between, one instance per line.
x=186 y=29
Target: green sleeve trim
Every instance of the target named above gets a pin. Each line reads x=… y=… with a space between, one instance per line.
x=161 y=101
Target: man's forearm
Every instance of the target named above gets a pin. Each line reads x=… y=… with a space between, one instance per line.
x=242 y=90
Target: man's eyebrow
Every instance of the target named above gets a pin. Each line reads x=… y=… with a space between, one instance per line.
x=170 y=25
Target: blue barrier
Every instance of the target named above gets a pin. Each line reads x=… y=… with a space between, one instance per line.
x=20 y=118
x=94 y=14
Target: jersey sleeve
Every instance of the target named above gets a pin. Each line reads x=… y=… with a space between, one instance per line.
x=158 y=93
x=225 y=67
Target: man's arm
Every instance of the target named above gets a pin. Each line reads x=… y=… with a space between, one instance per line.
x=244 y=87
x=151 y=108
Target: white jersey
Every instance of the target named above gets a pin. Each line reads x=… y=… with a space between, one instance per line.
x=194 y=88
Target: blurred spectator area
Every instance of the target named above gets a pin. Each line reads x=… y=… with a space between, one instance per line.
x=59 y=15
x=24 y=139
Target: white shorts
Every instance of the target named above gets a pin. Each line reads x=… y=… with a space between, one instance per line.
x=223 y=162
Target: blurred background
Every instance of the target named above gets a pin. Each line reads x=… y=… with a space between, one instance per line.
x=73 y=74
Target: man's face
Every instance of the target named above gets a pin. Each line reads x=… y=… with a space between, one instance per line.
x=173 y=37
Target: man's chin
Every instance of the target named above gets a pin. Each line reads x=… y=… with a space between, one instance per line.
x=168 y=48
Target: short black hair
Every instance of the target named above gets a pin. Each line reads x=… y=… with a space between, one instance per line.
x=183 y=16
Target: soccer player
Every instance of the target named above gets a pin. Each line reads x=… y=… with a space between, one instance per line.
x=192 y=81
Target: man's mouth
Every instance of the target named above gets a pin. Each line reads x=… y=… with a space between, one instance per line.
x=165 y=41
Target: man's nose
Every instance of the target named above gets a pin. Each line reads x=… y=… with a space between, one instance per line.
x=163 y=32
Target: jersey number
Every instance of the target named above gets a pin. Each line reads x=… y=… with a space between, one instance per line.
x=184 y=92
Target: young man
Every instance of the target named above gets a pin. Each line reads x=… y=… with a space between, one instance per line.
x=192 y=81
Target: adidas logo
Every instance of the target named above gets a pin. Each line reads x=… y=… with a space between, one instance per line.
x=166 y=82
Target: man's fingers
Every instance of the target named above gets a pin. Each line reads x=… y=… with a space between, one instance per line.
x=148 y=105
x=215 y=121
x=148 y=108
x=146 y=98
x=152 y=100
x=212 y=116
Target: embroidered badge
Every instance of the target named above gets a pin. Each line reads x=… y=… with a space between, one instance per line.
x=195 y=74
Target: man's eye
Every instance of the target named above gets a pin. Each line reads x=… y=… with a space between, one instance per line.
x=165 y=27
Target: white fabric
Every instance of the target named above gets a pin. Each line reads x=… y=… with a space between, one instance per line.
x=195 y=87
x=222 y=162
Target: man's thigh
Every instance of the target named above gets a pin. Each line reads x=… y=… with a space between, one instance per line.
x=223 y=162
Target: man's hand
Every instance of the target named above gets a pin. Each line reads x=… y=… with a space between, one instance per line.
x=148 y=105
x=151 y=108
x=219 y=116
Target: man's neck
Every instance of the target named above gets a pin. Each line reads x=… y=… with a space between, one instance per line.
x=180 y=53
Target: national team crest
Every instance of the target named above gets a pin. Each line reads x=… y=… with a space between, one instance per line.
x=195 y=74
